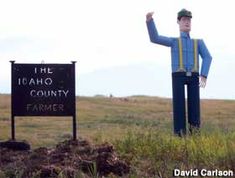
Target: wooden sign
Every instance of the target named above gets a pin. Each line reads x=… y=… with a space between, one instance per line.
x=43 y=90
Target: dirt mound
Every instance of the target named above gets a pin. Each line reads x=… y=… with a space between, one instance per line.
x=69 y=158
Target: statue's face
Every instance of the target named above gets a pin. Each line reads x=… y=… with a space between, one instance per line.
x=184 y=24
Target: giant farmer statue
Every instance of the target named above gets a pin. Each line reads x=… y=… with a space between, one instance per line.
x=185 y=70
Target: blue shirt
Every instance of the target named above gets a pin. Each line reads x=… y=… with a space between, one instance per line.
x=187 y=50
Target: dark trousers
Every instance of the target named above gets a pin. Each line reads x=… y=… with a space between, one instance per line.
x=179 y=80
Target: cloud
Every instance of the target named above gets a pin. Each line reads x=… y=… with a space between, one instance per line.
x=108 y=33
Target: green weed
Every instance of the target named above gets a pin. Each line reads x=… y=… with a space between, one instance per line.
x=166 y=152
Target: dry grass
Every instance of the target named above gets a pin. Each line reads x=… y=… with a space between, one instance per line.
x=140 y=127
x=98 y=116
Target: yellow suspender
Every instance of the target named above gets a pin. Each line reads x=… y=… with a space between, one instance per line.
x=180 y=55
x=181 y=67
x=195 y=56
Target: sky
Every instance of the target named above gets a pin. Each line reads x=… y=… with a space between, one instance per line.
x=109 y=41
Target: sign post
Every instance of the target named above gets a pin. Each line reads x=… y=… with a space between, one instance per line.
x=12 y=115
x=74 y=103
x=43 y=90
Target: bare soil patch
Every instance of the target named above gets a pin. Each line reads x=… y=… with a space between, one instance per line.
x=68 y=157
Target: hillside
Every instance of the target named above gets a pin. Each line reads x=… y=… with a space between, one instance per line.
x=97 y=116
x=140 y=128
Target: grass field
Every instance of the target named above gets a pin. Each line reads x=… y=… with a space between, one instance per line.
x=140 y=128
